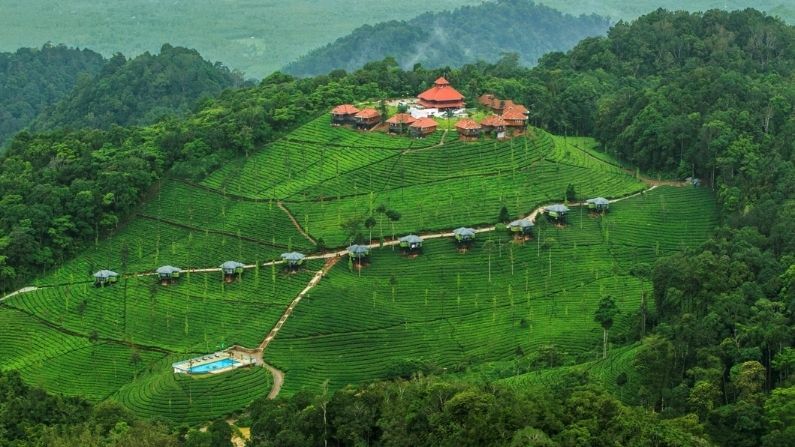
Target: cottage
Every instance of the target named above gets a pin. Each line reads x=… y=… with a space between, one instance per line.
x=400 y=123
x=232 y=270
x=167 y=274
x=521 y=227
x=411 y=243
x=556 y=212
x=293 y=260
x=343 y=114
x=495 y=124
x=468 y=129
x=599 y=204
x=367 y=118
x=358 y=253
x=423 y=127
x=441 y=96
x=105 y=278
x=464 y=236
x=515 y=118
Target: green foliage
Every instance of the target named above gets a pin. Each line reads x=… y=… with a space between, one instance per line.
x=432 y=411
x=454 y=38
x=140 y=91
x=32 y=79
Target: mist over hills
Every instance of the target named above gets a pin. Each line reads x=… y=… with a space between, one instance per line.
x=453 y=38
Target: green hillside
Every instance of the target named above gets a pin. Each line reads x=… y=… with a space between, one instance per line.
x=441 y=310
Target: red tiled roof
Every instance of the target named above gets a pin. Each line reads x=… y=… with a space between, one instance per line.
x=514 y=113
x=367 y=114
x=467 y=124
x=441 y=81
x=441 y=91
x=345 y=109
x=401 y=118
x=424 y=123
x=493 y=121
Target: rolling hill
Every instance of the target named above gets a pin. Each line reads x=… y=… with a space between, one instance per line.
x=443 y=309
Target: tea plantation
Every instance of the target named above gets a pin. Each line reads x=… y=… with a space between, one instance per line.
x=442 y=310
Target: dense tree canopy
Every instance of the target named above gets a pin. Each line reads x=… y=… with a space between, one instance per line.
x=32 y=79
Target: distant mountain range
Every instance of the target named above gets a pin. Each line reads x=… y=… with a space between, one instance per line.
x=453 y=38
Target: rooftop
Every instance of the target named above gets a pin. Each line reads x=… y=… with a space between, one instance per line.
x=344 y=109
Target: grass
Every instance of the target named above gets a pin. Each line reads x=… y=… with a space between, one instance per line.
x=450 y=309
x=443 y=309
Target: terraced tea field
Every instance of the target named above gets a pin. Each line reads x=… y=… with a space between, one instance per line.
x=443 y=309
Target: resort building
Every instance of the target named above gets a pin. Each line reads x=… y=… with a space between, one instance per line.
x=521 y=227
x=411 y=243
x=556 y=212
x=168 y=274
x=441 y=96
x=495 y=124
x=367 y=118
x=343 y=114
x=468 y=129
x=105 y=278
x=515 y=119
x=293 y=260
x=232 y=270
x=400 y=122
x=599 y=204
x=423 y=127
x=464 y=235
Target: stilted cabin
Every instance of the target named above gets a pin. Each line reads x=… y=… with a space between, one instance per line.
x=343 y=114
x=400 y=123
x=521 y=227
x=423 y=127
x=599 y=204
x=464 y=236
x=557 y=212
x=105 y=278
x=515 y=119
x=293 y=260
x=468 y=129
x=411 y=243
x=494 y=124
x=168 y=274
x=367 y=118
x=494 y=104
x=232 y=270
x=441 y=96
x=358 y=252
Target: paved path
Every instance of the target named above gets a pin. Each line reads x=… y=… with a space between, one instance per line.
x=19 y=292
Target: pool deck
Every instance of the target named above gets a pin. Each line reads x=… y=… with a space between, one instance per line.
x=241 y=359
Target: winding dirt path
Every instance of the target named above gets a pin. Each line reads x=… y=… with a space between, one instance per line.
x=19 y=292
x=295 y=222
x=278 y=380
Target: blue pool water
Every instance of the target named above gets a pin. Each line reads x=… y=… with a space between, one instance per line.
x=209 y=367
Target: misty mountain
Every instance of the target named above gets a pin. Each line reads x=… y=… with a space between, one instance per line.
x=457 y=37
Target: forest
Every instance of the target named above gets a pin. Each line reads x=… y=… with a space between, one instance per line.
x=708 y=95
x=453 y=38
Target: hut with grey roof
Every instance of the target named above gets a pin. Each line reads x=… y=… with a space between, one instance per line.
x=411 y=243
x=105 y=278
x=556 y=212
x=168 y=274
x=293 y=260
x=464 y=236
x=358 y=253
x=232 y=270
x=598 y=204
x=521 y=227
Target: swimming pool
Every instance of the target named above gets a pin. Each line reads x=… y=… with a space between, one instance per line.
x=210 y=367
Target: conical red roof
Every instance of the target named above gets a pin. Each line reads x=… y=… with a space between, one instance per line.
x=440 y=92
x=424 y=123
x=467 y=124
x=344 y=109
x=441 y=81
x=401 y=118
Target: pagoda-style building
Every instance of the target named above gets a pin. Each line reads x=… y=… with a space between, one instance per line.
x=441 y=96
